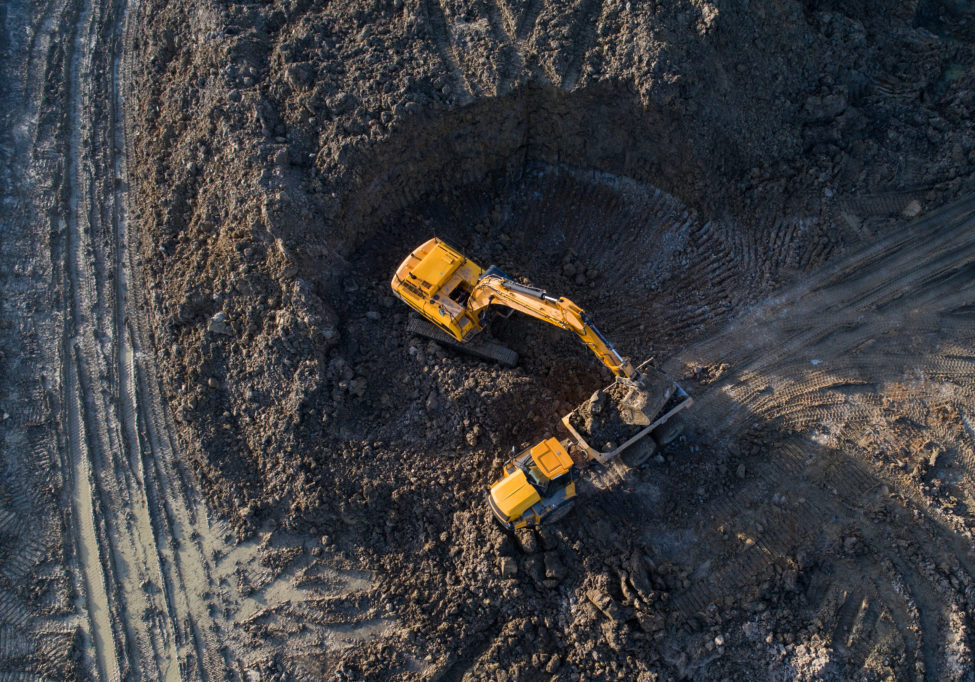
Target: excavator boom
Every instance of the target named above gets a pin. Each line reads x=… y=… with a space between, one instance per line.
x=495 y=288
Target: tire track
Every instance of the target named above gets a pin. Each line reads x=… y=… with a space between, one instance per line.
x=526 y=20
x=79 y=436
x=445 y=45
x=512 y=60
x=834 y=413
x=33 y=516
x=582 y=38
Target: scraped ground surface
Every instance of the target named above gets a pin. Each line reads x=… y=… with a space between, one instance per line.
x=224 y=458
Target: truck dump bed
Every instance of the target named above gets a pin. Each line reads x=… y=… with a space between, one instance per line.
x=604 y=426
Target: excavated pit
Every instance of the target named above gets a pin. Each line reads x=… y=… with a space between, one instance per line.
x=389 y=441
x=577 y=193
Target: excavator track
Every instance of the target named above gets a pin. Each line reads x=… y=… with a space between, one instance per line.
x=486 y=350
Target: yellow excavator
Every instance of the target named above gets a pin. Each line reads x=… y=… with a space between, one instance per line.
x=453 y=295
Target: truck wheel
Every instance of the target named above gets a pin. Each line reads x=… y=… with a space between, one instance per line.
x=668 y=431
x=558 y=513
x=638 y=453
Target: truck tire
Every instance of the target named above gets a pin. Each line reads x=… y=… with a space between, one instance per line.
x=559 y=513
x=668 y=431
x=636 y=455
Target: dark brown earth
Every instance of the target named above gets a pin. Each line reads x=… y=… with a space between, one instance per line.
x=771 y=199
x=668 y=166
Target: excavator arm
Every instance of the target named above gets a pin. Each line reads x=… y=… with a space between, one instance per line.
x=494 y=287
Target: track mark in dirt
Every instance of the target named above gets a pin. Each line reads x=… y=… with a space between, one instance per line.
x=511 y=61
x=444 y=41
x=863 y=634
x=814 y=370
x=848 y=612
x=80 y=437
x=526 y=20
x=585 y=21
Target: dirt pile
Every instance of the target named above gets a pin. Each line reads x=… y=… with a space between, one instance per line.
x=690 y=158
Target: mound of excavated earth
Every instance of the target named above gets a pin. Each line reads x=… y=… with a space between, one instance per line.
x=747 y=192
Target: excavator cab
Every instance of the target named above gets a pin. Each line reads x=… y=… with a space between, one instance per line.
x=538 y=486
x=436 y=280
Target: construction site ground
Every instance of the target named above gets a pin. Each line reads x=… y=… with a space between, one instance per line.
x=223 y=456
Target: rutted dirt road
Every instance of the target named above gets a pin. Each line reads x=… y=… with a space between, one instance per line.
x=852 y=392
x=112 y=568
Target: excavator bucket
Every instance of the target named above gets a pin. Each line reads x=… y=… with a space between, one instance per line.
x=642 y=399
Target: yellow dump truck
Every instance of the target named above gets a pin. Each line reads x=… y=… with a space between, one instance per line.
x=538 y=486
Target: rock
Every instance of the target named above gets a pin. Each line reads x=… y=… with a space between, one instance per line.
x=343 y=103
x=639 y=577
x=554 y=569
x=548 y=538
x=615 y=634
x=357 y=387
x=553 y=664
x=299 y=75
x=508 y=567
x=218 y=324
x=373 y=315
x=532 y=567
x=602 y=601
x=824 y=109
x=529 y=543
x=912 y=210
x=740 y=471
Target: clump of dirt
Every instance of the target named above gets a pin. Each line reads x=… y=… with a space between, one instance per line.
x=693 y=156
x=599 y=420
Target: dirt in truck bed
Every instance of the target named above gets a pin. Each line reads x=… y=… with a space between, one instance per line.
x=224 y=457
x=603 y=421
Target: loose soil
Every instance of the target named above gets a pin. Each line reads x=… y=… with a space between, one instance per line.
x=770 y=199
x=606 y=421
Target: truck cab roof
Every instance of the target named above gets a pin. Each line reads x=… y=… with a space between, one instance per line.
x=551 y=458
